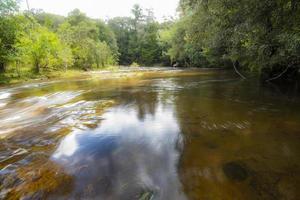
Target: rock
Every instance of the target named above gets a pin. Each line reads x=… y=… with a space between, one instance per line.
x=146 y=196
x=264 y=184
x=35 y=196
x=235 y=171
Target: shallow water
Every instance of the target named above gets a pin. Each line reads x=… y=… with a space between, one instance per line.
x=160 y=135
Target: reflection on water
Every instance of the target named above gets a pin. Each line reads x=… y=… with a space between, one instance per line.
x=161 y=135
x=125 y=156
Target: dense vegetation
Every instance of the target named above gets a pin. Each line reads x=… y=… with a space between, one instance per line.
x=260 y=36
x=138 y=38
x=257 y=35
x=42 y=42
x=34 y=42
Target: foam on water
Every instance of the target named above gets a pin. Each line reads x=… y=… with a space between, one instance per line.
x=4 y=95
x=32 y=111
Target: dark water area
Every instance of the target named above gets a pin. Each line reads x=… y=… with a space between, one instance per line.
x=159 y=135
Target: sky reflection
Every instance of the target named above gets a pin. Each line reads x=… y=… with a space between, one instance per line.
x=125 y=156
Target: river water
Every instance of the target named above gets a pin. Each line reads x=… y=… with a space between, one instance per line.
x=156 y=135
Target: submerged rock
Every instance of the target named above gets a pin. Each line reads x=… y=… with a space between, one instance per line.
x=146 y=196
x=211 y=145
x=235 y=171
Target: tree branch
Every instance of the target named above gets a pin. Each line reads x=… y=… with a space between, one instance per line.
x=27 y=5
x=241 y=75
x=279 y=75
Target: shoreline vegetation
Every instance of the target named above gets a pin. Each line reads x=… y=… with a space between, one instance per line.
x=14 y=78
x=261 y=40
x=111 y=72
x=71 y=73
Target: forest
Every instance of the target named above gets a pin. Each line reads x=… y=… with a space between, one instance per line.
x=259 y=37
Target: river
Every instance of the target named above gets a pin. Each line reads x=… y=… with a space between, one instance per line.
x=174 y=134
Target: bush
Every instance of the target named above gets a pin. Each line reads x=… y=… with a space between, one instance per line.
x=134 y=64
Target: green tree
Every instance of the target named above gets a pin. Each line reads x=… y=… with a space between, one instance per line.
x=256 y=35
x=76 y=16
x=122 y=27
x=107 y=35
x=8 y=30
x=138 y=37
x=43 y=50
x=8 y=7
x=134 y=36
x=51 y=21
x=150 y=50
x=92 y=42
x=103 y=55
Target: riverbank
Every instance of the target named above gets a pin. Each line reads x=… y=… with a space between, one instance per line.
x=104 y=73
x=12 y=77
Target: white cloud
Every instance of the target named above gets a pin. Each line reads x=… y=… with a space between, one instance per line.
x=103 y=8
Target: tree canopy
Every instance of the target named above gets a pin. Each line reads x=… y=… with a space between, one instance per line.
x=259 y=35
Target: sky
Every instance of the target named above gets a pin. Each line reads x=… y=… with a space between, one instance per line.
x=104 y=9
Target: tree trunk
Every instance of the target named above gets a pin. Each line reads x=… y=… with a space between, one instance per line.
x=18 y=68
x=236 y=65
x=2 y=67
x=37 y=67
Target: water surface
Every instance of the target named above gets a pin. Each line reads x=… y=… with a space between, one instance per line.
x=160 y=135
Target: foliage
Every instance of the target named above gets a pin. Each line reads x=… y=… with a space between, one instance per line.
x=51 y=21
x=149 y=47
x=42 y=49
x=45 y=42
x=134 y=64
x=138 y=38
x=8 y=29
x=256 y=35
x=107 y=36
x=8 y=7
x=88 y=46
x=121 y=26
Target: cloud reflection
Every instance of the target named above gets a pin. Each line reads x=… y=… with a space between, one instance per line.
x=125 y=156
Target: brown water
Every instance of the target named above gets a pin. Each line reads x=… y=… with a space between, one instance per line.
x=160 y=135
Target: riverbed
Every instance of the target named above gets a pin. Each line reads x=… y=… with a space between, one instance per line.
x=160 y=134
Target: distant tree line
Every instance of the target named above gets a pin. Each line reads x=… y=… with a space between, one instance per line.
x=261 y=36
x=138 y=38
